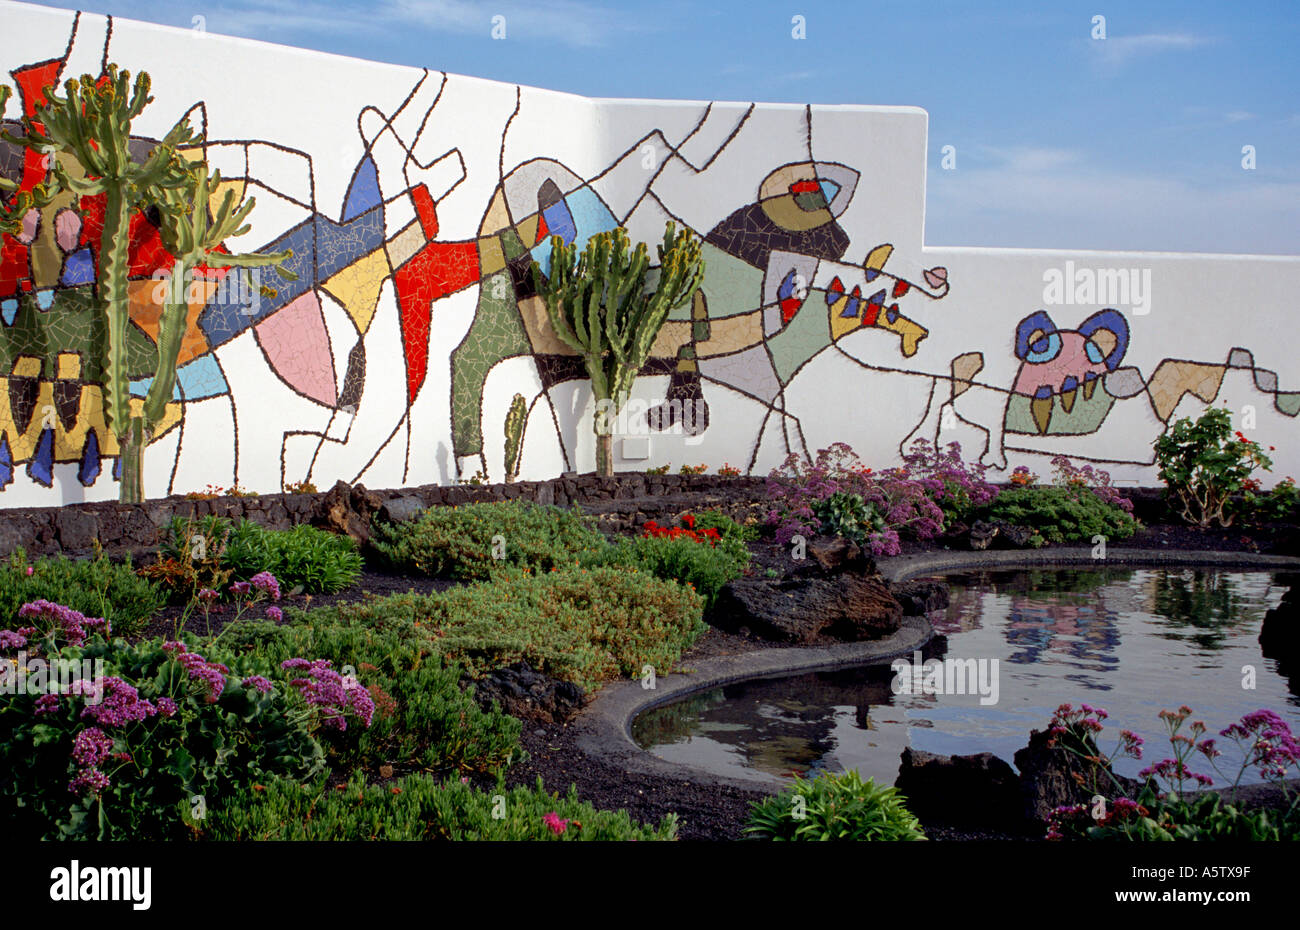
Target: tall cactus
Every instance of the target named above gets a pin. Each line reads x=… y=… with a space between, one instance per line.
x=515 y=419
x=92 y=124
x=598 y=305
x=192 y=238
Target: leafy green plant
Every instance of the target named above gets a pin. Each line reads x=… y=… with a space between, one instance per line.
x=1280 y=503
x=704 y=556
x=846 y=514
x=161 y=739
x=834 y=807
x=209 y=552
x=1203 y=463
x=1063 y=514
x=476 y=540
x=418 y=807
x=306 y=557
x=96 y=587
x=598 y=304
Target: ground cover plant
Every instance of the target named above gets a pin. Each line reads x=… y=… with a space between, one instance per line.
x=423 y=718
x=140 y=748
x=704 y=552
x=419 y=807
x=1161 y=809
x=1079 y=505
x=474 y=541
x=586 y=626
x=95 y=587
x=834 y=807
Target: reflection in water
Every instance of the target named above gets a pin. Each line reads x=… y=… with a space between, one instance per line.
x=1133 y=641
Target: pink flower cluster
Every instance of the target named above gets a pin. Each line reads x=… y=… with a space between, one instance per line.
x=211 y=674
x=71 y=624
x=120 y=705
x=330 y=693
x=555 y=822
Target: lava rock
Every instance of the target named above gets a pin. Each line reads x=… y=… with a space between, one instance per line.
x=1279 y=637
x=401 y=509
x=76 y=528
x=529 y=695
x=801 y=609
x=1017 y=537
x=837 y=554
x=974 y=790
x=1052 y=777
x=347 y=510
x=982 y=534
x=920 y=597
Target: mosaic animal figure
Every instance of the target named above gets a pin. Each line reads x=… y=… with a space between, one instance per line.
x=751 y=326
x=1061 y=387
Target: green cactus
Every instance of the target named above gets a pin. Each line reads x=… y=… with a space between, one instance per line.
x=192 y=237
x=12 y=213
x=515 y=420
x=92 y=124
x=598 y=305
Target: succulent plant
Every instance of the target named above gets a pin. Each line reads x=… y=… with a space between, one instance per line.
x=598 y=305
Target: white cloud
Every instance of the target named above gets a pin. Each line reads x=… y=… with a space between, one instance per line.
x=1115 y=51
x=1008 y=206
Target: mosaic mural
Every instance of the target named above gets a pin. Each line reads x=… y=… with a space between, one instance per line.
x=413 y=320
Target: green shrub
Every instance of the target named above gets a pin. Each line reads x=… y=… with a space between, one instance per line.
x=687 y=559
x=422 y=715
x=1063 y=513
x=313 y=559
x=847 y=514
x=476 y=540
x=586 y=626
x=96 y=588
x=146 y=768
x=209 y=552
x=1203 y=463
x=417 y=807
x=834 y=807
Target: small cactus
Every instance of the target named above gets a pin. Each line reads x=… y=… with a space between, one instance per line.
x=515 y=420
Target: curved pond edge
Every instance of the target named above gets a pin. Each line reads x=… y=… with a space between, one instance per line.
x=604 y=727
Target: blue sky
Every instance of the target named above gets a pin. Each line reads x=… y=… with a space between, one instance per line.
x=1062 y=140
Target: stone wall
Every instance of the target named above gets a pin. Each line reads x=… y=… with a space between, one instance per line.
x=620 y=502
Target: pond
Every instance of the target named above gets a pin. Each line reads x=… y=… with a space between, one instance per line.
x=1018 y=644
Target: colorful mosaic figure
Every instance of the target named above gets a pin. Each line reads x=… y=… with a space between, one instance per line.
x=750 y=326
x=1061 y=385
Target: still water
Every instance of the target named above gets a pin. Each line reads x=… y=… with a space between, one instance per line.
x=1130 y=641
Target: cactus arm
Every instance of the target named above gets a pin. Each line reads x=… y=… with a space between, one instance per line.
x=171 y=331
x=112 y=296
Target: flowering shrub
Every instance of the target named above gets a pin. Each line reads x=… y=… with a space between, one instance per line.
x=134 y=754
x=1022 y=477
x=1159 y=811
x=703 y=554
x=1096 y=480
x=686 y=530
x=48 y=619
x=918 y=498
x=1279 y=503
x=1204 y=463
x=332 y=697
x=727 y=470
x=419 y=807
x=93 y=587
x=694 y=469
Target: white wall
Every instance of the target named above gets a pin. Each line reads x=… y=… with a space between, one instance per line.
x=296 y=124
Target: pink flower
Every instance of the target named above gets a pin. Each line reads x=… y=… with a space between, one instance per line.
x=555 y=822
x=30 y=570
